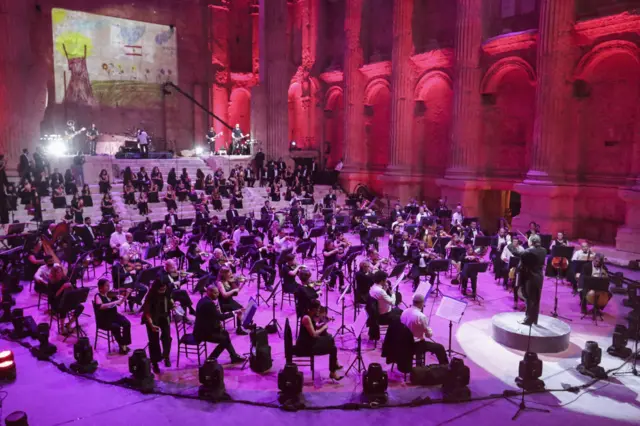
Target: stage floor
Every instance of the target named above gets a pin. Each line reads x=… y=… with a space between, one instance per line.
x=493 y=369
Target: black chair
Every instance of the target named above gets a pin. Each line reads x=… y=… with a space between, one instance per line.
x=187 y=342
x=301 y=359
x=373 y=321
x=42 y=291
x=285 y=290
x=101 y=333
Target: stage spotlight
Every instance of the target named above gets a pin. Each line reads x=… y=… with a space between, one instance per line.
x=374 y=384
x=7 y=366
x=17 y=418
x=529 y=373
x=456 y=385
x=619 y=347
x=590 y=360
x=211 y=376
x=140 y=369
x=17 y=319
x=83 y=354
x=290 y=382
x=57 y=147
x=199 y=150
x=292 y=145
x=45 y=349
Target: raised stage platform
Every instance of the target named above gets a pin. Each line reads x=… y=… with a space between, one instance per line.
x=549 y=336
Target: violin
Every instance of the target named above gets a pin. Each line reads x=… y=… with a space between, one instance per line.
x=121 y=292
x=323 y=315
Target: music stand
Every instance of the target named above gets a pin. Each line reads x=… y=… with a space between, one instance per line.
x=374 y=233
x=71 y=300
x=247 y=240
x=343 y=229
x=411 y=229
x=255 y=269
x=474 y=268
x=398 y=269
x=436 y=266
x=482 y=241
x=452 y=310
x=576 y=268
x=564 y=252
x=325 y=279
x=598 y=285
x=343 y=327
x=273 y=324
x=153 y=252
x=316 y=233
x=358 y=327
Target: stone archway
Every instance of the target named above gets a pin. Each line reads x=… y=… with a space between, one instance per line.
x=240 y=109
x=334 y=125
x=377 y=123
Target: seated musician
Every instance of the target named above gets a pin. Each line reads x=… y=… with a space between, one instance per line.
x=375 y=261
x=399 y=223
x=417 y=322
x=306 y=292
x=500 y=241
x=42 y=275
x=195 y=260
x=597 y=269
x=170 y=277
x=363 y=230
x=402 y=248
x=584 y=254
x=283 y=244
x=59 y=285
x=117 y=239
x=130 y=248
x=125 y=275
x=229 y=288
x=514 y=249
x=422 y=214
x=332 y=255
x=239 y=233
x=385 y=297
x=396 y=213
x=303 y=232
x=364 y=281
x=470 y=257
x=559 y=241
x=171 y=244
x=329 y=199
x=259 y=252
x=332 y=228
x=420 y=260
x=108 y=317
x=314 y=339
x=208 y=326
x=288 y=273
x=456 y=241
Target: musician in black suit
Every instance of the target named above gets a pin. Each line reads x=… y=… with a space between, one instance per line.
x=329 y=199
x=282 y=166
x=24 y=166
x=531 y=274
x=86 y=233
x=420 y=259
x=208 y=326
x=249 y=176
x=258 y=252
x=169 y=276
x=397 y=212
x=231 y=214
x=171 y=218
x=364 y=281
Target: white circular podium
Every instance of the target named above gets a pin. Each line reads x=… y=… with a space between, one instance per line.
x=550 y=335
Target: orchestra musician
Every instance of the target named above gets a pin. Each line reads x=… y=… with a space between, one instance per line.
x=157 y=311
x=396 y=213
x=59 y=286
x=288 y=272
x=257 y=252
x=375 y=261
x=457 y=217
x=332 y=255
x=332 y=228
x=416 y=321
x=125 y=276
x=514 y=249
x=306 y=292
x=473 y=231
x=303 y=233
x=283 y=243
x=117 y=239
x=386 y=299
x=399 y=223
x=596 y=268
x=170 y=276
x=584 y=254
x=559 y=241
x=208 y=328
x=195 y=259
x=330 y=199
x=229 y=287
x=315 y=340
x=531 y=277
x=364 y=281
x=420 y=259
x=500 y=241
x=363 y=229
x=534 y=229
x=423 y=213
x=108 y=317
x=171 y=245
x=402 y=248
x=470 y=257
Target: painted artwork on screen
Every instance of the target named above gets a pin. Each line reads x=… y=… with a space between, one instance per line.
x=113 y=62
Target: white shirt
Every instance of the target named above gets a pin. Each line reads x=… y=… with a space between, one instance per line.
x=419 y=217
x=456 y=218
x=43 y=273
x=399 y=225
x=506 y=253
x=117 y=238
x=237 y=234
x=282 y=244
x=143 y=138
x=417 y=322
x=580 y=255
x=385 y=302
x=506 y=240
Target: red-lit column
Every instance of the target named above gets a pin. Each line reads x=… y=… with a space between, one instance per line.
x=18 y=129
x=255 y=35
x=543 y=201
x=402 y=177
x=354 y=81
x=219 y=42
x=459 y=185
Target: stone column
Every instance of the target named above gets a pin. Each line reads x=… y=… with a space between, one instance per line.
x=354 y=81
x=274 y=75
x=255 y=35
x=543 y=201
x=19 y=121
x=402 y=177
x=458 y=185
x=219 y=41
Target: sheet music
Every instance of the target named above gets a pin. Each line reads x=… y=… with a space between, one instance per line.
x=398 y=281
x=451 y=309
x=424 y=289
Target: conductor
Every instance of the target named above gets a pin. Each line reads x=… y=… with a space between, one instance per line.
x=531 y=264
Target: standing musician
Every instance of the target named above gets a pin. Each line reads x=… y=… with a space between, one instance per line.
x=332 y=255
x=315 y=340
x=382 y=292
x=457 y=216
x=420 y=259
x=108 y=317
x=92 y=139
x=208 y=328
x=157 y=311
x=531 y=276
x=211 y=137
x=441 y=207
x=596 y=269
x=229 y=287
x=417 y=322
x=237 y=138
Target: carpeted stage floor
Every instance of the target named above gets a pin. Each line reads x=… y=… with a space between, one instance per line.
x=51 y=397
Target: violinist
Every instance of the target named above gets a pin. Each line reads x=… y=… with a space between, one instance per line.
x=171 y=245
x=396 y=213
x=34 y=260
x=457 y=217
x=330 y=199
x=399 y=223
x=386 y=299
x=108 y=317
x=266 y=211
x=289 y=272
x=257 y=252
x=306 y=292
x=195 y=259
x=375 y=261
x=402 y=248
x=364 y=281
x=125 y=275
x=170 y=276
x=229 y=288
x=332 y=228
x=470 y=257
x=500 y=241
x=283 y=243
x=534 y=229
x=363 y=229
x=303 y=233
x=420 y=259
x=332 y=257
x=422 y=214
x=473 y=231
x=315 y=340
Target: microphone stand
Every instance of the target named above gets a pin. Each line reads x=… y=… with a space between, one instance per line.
x=554 y=313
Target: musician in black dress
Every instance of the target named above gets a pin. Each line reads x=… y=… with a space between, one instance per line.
x=58 y=287
x=108 y=317
x=157 y=311
x=314 y=339
x=331 y=255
